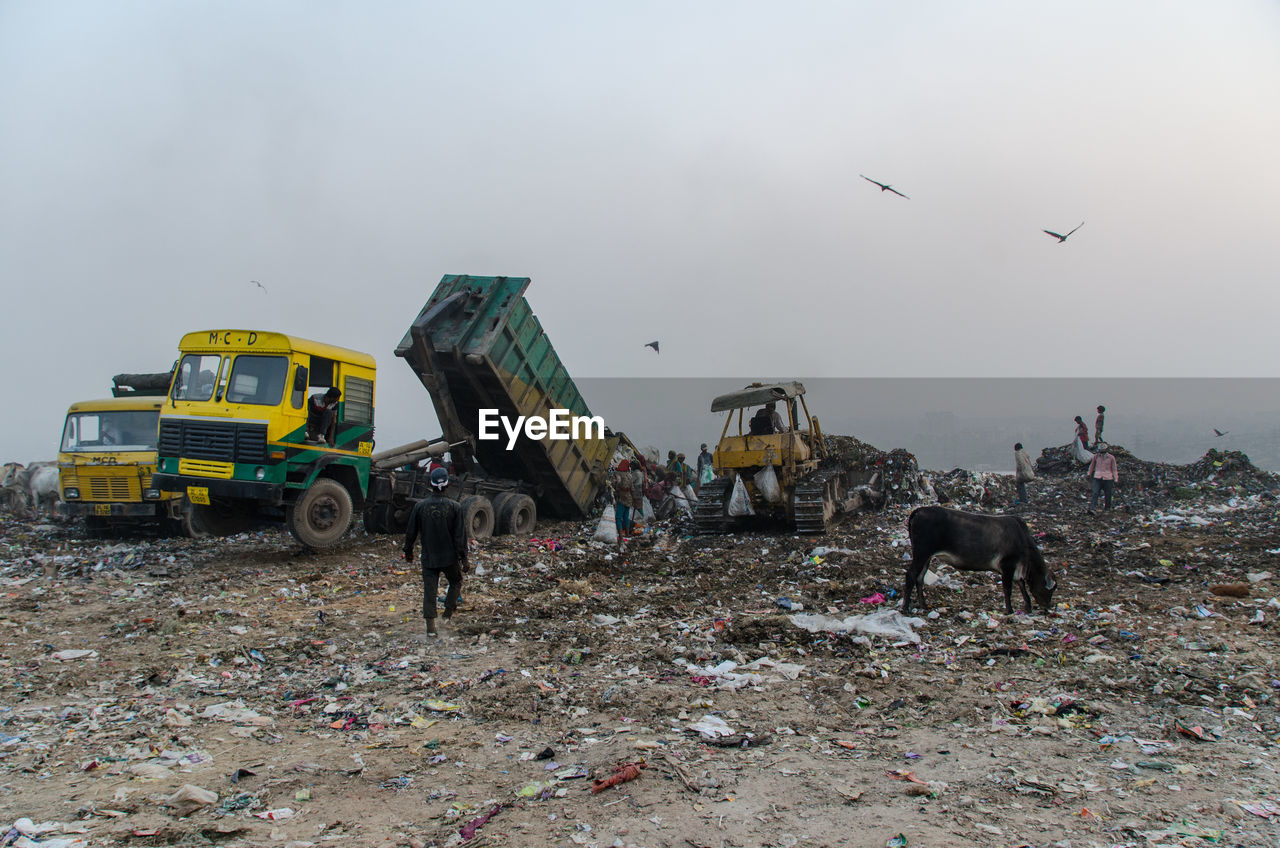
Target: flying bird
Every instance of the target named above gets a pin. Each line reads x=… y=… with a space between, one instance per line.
x=884 y=187
x=1061 y=239
x=1219 y=433
x=653 y=345
x=261 y=286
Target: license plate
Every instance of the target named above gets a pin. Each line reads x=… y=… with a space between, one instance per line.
x=198 y=495
x=102 y=509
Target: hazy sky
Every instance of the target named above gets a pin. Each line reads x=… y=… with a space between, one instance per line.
x=680 y=171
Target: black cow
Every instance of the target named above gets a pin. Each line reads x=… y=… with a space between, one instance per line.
x=973 y=542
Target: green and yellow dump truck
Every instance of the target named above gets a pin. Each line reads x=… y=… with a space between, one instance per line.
x=107 y=459
x=233 y=433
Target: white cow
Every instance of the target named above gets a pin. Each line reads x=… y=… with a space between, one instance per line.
x=13 y=486
x=42 y=482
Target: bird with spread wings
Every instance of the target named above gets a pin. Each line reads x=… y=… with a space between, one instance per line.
x=1061 y=238
x=884 y=186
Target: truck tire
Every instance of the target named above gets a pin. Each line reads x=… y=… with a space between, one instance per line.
x=322 y=515
x=517 y=515
x=477 y=513
x=375 y=519
x=499 y=501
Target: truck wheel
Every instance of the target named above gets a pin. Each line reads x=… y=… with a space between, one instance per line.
x=374 y=520
x=518 y=515
x=499 y=501
x=321 y=515
x=477 y=512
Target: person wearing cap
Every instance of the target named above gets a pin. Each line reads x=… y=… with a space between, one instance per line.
x=706 y=472
x=322 y=416
x=442 y=526
x=1104 y=474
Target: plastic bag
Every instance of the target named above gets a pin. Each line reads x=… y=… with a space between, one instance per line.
x=739 y=500
x=607 y=529
x=708 y=474
x=888 y=623
x=1083 y=455
x=766 y=480
x=647 y=512
x=690 y=494
x=682 y=502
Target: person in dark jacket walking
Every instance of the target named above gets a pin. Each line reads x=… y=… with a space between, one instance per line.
x=442 y=526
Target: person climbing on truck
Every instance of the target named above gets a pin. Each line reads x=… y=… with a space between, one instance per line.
x=322 y=413
x=440 y=523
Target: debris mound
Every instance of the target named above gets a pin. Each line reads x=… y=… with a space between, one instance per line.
x=896 y=473
x=1216 y=469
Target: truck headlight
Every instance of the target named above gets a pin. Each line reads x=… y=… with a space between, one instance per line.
x=71 y=494
x=151 y=494
x=260 y=473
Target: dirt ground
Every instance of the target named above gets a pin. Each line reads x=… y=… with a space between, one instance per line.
x=300 y=689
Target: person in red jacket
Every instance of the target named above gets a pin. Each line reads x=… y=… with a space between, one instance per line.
x=1082 y=431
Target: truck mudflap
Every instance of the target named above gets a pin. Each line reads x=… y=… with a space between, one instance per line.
x=199 y=489
x=150 y=509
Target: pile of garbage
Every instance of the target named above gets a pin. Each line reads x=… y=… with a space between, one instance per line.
x=896 y=472
x=1231 y=468
x=962 y=487
x=745 y=688
x=1215 y=470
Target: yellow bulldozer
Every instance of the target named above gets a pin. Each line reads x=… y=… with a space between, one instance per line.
x=776 y=462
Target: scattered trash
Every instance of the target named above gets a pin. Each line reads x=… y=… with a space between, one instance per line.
x=889 y=623
x=621 y=774
x=190 y=798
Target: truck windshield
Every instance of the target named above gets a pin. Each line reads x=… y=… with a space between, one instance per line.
x=197 y=374
x=133 y=430
x=257 y=379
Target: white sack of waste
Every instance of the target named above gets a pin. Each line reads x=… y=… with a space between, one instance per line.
x=766 y=480
x=740 y=501
x=607 y=529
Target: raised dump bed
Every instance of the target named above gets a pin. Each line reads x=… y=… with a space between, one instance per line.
x=477 y=345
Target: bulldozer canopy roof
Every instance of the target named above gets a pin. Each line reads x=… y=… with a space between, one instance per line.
x=757 y=396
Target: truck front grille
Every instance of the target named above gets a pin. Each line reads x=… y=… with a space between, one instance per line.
x=103 y=488
x=213 y=441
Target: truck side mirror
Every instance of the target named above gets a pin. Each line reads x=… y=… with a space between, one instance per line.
x=299 y=387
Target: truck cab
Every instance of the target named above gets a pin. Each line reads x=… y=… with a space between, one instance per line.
x=105 y=465
x=233 y=434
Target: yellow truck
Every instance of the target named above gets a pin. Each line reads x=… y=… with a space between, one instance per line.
x=234 y=436
x=107 y=459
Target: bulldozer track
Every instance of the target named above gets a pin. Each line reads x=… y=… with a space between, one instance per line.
x=815 y=500
x=711 y=515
